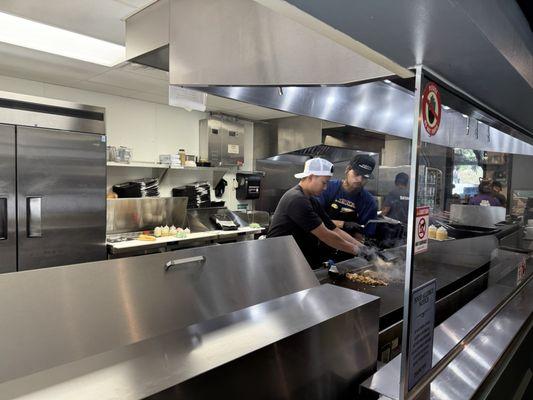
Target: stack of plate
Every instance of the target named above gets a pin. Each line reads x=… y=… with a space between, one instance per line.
x=146 y=187
x=198 y=194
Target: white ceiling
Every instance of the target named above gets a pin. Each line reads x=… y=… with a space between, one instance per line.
x=103 y=19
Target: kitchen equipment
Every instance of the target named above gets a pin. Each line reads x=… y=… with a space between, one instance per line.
x=124 y=154
x=224 y=222
x=350 y=265
x=222 y=141
x=465 y=231
x=279 y=171
x=111 y=153
x=52 y=184
x=248 y=185
x=486 y=217
x=170 y=159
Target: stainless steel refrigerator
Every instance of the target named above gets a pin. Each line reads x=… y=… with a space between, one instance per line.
x=52 y=183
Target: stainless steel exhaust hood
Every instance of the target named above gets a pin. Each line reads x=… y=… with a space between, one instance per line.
x=242 y=42
x=246 y=51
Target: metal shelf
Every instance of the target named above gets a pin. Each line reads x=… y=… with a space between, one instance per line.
x=164 y=166
x=216 y=172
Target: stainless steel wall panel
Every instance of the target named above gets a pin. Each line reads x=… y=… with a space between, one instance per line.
x=134 y=215
x=8 y=218
x=66 y=170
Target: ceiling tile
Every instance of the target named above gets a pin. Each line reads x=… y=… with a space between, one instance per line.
x=37 y=65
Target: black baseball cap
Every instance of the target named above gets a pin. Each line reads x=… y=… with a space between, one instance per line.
x=363 y=164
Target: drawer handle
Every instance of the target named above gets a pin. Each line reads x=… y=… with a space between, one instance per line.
x=182 y=261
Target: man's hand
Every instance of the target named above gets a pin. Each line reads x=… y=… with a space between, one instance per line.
x=337 y=239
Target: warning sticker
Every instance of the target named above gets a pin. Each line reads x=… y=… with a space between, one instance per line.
x=431 y=108
x=422 y=225
x=233 y=148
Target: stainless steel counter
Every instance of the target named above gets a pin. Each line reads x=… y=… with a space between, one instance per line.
x=130 y=328
x=279 y=345
x=464 y=375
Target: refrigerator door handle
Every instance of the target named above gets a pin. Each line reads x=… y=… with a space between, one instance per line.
x=3 y=218
x=34 y=216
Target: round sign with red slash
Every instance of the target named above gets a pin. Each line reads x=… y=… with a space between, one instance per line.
x=421 y=228
x=431 y=108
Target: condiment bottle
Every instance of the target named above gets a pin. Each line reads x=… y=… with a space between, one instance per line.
x=432 y=232
x=183 y=156
x=442 y=233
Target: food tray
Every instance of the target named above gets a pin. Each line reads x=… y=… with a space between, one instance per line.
x=443 y=240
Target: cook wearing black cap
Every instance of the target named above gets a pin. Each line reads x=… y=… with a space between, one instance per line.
x=347 y=202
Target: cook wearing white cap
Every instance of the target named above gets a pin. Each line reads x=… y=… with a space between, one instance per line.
x=300 y=214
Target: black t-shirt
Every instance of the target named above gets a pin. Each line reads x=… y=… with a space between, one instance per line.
x=298 y=214
x=398 y=201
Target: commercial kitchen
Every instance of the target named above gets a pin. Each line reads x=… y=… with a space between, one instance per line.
x=147 y=164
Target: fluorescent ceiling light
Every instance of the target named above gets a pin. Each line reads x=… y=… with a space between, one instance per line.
x=445 y=107
x=34 y=35
x=387 y=81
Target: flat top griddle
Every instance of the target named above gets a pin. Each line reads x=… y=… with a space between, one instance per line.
x=450 y=272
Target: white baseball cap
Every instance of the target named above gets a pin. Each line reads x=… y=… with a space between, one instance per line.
x=316 y=166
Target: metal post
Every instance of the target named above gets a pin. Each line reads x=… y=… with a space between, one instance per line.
x=411 y=225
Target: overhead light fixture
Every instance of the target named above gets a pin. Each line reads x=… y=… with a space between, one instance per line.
x=464 y=115
x=37 y=36
x=387 y=81
x=445 y=107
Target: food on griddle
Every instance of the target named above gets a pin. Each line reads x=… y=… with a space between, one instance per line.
x=367 y=277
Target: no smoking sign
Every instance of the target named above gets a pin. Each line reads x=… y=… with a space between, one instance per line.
x=422 y=223
x=431 y=108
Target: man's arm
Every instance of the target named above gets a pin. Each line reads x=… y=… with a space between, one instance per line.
x=333 y=239
x=346 y=236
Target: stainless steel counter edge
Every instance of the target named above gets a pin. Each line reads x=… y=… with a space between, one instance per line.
x=122 y=247
x=464 y=374
x=147 y=367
